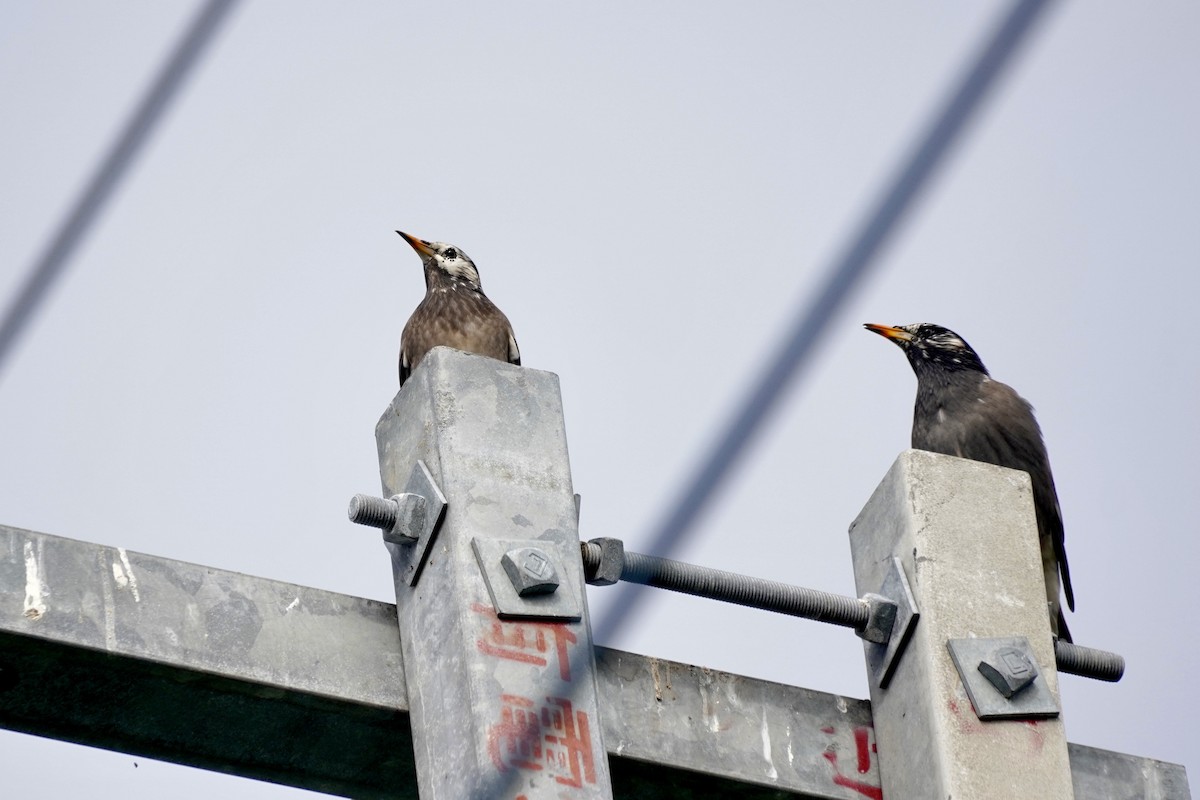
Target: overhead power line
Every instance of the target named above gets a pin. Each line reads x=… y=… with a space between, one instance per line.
x=112 y=169
x=847 y=270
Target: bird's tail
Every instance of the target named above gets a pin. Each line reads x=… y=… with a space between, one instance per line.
x=1066 y=583
x=1064 y=633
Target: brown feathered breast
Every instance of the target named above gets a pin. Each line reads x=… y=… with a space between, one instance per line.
x=458 y=317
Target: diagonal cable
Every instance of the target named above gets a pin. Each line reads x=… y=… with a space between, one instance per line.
x=848 y=269
x=138 y=128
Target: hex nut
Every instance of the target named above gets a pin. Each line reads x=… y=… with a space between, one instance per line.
x=410 y=519
x=881 y=618
x=612 y=561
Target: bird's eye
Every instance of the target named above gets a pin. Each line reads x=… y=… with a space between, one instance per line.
x=451 y=253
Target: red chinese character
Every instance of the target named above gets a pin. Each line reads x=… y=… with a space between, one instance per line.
x=863 y=748
x=516 y=741
x=526 y=641
x=568 y=742
x=554 y=738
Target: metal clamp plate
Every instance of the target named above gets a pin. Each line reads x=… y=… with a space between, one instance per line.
x=1033 y=701
x=882 y=659
x=565 y=603
x=409 y=559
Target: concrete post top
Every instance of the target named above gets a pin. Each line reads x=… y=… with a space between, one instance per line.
x=966 y=535
x=445 y=367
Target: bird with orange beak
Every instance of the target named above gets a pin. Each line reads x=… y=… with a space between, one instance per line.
x=961 y=411
x=455 y=312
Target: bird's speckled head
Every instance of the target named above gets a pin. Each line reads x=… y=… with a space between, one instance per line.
x=930 y=347
x=446 y=259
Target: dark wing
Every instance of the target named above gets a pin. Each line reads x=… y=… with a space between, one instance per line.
x=411 y=339
x=1021 y=447
x=514 y=352
x=997 y=426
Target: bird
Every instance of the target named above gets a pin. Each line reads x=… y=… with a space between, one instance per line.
x=962 y=411
x=455 y=312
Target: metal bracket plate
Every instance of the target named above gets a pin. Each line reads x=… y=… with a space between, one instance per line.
x=409 y=559
x=882 y=659
x=563 y=604
x=1035 y=701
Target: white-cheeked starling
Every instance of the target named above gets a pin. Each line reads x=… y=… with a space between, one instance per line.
x=455 y=312
x=961 y=411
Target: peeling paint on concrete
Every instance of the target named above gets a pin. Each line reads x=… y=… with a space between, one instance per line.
x=35 y=605
x=772 y=773
x=130 y=579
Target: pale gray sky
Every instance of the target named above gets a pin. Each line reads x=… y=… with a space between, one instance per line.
x=649 y=190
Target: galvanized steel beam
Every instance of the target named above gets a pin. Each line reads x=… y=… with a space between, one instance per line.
x=199 y=666
x=298 y=686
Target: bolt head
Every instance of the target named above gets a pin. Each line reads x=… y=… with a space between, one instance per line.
x=531 y=571
x=1009 y=669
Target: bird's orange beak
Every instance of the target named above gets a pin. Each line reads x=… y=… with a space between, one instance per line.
x=897 y=335
x=420 y=245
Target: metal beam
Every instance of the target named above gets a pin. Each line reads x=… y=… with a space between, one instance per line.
x=299 y=686
x=198 y=666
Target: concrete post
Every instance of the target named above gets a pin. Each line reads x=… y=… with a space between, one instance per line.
x=966 y=537
x=503 y=705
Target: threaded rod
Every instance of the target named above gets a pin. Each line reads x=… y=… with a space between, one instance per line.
x=377 y=512
x=1088 y=661
x=797 y=601
x=730 y=587
x=590 y=553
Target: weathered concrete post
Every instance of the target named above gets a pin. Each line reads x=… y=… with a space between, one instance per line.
x=966 y=537
x=493 y=619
